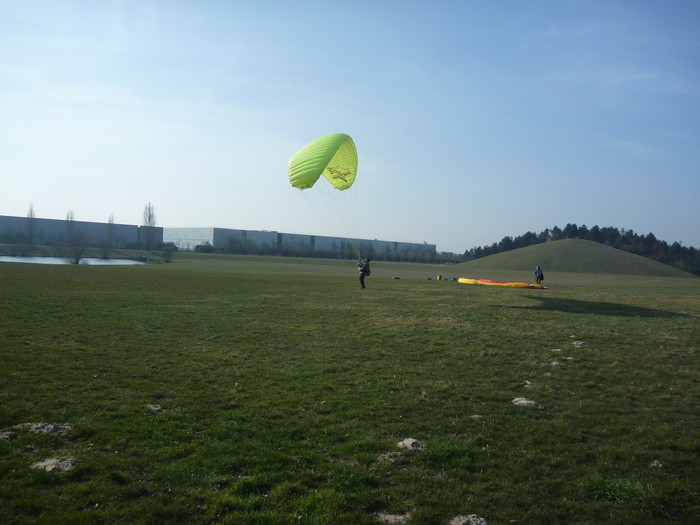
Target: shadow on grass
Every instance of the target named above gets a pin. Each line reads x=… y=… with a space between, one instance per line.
x=577 y=306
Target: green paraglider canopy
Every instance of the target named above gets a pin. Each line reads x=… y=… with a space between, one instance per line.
x=333 y=156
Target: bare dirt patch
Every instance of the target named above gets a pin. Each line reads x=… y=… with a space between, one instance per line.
x=393 y=518
x=411 y=444
x=58 y=464
x=46 y=428
x=390 y=457
x=469 y=519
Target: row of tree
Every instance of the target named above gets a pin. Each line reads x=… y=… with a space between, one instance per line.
x=75 y=241
x=676 y=255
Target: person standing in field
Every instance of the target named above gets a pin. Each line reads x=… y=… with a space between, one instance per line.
x=539 y=275
x=363 y=267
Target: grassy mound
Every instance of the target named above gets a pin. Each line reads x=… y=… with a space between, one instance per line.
x=573 y=256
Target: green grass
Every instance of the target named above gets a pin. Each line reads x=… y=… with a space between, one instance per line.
x=285 y=389
x=573 y=255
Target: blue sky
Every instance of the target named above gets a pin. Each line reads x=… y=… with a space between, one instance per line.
x=473 y=120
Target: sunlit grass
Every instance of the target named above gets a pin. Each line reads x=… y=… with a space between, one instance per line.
x=284 y=389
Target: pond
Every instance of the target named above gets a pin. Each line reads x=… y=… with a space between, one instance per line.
x=93 y=261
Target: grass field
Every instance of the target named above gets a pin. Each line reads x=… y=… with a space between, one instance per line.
x=284 y=390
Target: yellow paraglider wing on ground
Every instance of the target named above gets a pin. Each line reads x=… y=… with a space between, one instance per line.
x=333 y=156
x=506 y=284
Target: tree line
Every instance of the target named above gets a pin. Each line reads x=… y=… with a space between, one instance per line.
x=676 y=255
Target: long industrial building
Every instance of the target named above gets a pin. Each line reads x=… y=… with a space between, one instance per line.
x=53 y=232
x=291 y=244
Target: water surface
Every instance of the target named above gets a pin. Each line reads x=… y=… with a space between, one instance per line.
x=94 y=261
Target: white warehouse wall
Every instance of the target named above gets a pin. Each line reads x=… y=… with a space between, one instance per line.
x=272 y=242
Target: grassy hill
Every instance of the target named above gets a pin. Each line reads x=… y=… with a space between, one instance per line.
x=572 y=255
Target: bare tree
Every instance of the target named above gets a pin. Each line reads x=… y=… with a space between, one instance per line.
x=108 y=239
x=31 y=225
x=76 y=240
x=70 y=226
x=149 y=224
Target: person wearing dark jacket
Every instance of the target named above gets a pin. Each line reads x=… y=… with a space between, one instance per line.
x=363 y=267
x=539 y=276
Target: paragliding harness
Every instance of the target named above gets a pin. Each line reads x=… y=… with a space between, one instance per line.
x=364 y=268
